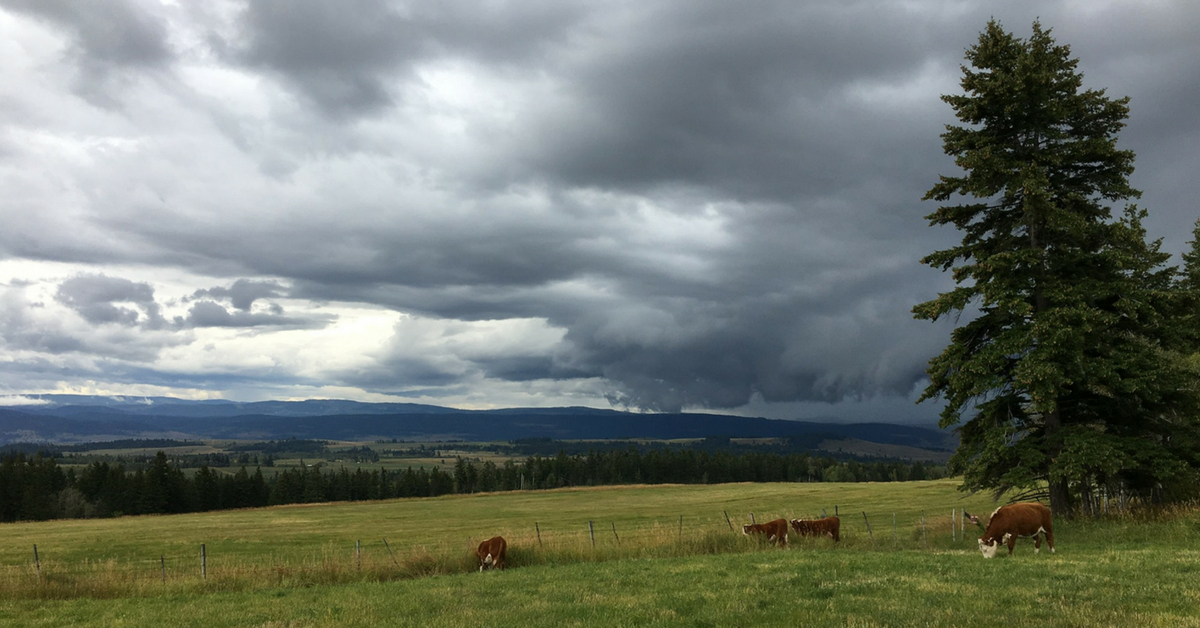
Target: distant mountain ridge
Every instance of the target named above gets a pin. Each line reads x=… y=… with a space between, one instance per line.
x=85 y=405
x=81 y=418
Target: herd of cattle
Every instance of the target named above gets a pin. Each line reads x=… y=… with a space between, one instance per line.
x=777 y=531
x=1007 y=524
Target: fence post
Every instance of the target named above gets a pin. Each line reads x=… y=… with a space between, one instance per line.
x=389 y=549
x=681 y=527
x=728 y=521
x=823 y=515
x=162 y=560
x=835 y=510
x=37 y=562
x=358 y=553
x=203 y=563
x=752 y=518
x=894 y=537
x=953 y=529
x=592 y=532
x=868 y=522
x=924 y=539
x=614 y=527
x=539 y=533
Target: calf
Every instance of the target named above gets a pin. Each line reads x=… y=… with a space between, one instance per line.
x=1017 y=520
x=829 y=526
x=491 y=553
x=774 y=530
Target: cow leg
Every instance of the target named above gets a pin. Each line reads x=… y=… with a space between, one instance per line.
x=1012 y=542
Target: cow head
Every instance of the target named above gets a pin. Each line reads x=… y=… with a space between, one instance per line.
x=486 y=562
x=746 y=529
x=988 y=547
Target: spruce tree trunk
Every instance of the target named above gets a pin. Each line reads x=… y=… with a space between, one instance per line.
x=1060 y=494
x=1060 y=500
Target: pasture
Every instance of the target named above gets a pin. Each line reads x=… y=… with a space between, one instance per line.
x=297 y=565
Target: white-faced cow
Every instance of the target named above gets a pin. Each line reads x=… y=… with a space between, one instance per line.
x=776 y=530
x=829 y=526
x=491 y=553
x=1017 y=520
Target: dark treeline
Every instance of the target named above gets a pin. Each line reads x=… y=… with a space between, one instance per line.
x=37 y=488
x=541 y=446
x=287 y=446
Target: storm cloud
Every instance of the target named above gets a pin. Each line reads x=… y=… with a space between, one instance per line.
x=658 y=205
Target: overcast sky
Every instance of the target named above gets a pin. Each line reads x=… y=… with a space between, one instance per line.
x=662 y=205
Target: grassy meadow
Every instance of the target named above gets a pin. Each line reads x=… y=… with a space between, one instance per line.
x=293 y=566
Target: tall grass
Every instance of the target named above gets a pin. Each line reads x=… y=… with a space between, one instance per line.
x=306 y=546
x=335 y=565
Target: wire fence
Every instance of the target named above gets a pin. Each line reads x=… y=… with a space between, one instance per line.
x=383 y=559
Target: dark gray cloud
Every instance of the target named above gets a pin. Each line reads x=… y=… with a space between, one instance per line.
x=347 y=57
x=101 y=299
x=116 y=32
x=244 y=292
x=108 y=37
x=666 y=204
x=206 y=313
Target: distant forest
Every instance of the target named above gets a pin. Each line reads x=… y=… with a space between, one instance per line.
x=34 y=487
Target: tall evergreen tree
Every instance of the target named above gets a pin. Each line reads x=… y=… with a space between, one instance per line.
x=1066 y=370
x=1189 y=291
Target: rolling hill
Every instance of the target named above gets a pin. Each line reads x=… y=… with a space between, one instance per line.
x=70 y=418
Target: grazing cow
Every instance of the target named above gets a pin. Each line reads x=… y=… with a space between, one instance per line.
x=1017 y=520
x=491 y=553
x=774 y=530
x=829 y=526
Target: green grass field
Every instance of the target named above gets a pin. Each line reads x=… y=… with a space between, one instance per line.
x=296 y=566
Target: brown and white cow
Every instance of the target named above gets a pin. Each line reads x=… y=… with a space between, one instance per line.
x=829 y=526
x=776 y=530
x=491 y=553
x=1017 y=520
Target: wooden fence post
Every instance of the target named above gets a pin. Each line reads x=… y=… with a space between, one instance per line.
x=358 y=553
x=37 y=561
x=751 y=518
x=681 y=528
x=614 y=527
x=894 y=537
x=592 y=532
x=389 y=549
x=872 y=534
x=537 y=529
x=953 y=529
x=924 y=539
x=203 y=563
x=728 y=521
x=162 y=561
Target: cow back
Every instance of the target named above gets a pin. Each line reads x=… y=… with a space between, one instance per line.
x=1018 y=520
x=776 y=529
x=830 y=526
x=492 y=553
